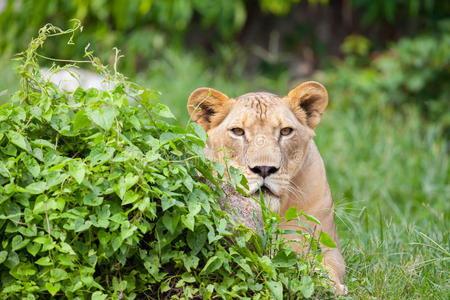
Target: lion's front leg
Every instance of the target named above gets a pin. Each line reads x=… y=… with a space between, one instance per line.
x=333 y=261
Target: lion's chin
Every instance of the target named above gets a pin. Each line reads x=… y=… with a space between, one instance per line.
x=272 y=201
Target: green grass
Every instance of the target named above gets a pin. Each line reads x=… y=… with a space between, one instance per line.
x=389 y=176
x=388 y=171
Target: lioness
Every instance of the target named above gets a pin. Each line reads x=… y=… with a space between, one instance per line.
x=270 y=139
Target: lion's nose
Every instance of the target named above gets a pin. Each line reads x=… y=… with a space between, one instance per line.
x=264 y=171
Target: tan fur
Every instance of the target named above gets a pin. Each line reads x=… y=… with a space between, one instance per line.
x=301 y=178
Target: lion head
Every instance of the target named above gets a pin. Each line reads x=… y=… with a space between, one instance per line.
x=265 y=135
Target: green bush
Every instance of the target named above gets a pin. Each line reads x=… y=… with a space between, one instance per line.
x=413 y=71
x=101 y=199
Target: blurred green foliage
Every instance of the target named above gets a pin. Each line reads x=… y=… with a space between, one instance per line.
x=144 y=29
x=396 y=11
x=414 y=70
x=357 y=45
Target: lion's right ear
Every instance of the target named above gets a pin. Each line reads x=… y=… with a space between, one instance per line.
x=208 y=107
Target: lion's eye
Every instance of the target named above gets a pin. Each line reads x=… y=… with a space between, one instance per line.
x=238 y=131
x=286 y=131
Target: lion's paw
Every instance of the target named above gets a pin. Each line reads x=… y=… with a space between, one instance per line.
x=340 y=289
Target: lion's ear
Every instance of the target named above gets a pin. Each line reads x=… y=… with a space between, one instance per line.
x=308 y=101
x=208 y=107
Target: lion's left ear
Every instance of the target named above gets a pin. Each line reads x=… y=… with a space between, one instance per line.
x=308 y=101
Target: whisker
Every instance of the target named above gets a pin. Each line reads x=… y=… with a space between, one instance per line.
x=295 y=185
x=298 y=189
x=296 y=193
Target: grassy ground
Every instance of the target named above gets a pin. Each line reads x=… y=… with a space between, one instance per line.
x=389 y=175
